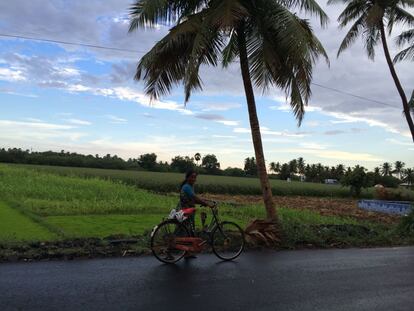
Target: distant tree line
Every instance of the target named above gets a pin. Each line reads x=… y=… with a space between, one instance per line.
x=209 y=163
x=389 y=175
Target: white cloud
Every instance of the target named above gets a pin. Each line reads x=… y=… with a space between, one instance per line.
x=78 y=121
x=311 y=145
x=228 y=122
x=267 y=131
x=353 y=118
x=67 y=71
x=116 y=120
x=9 y=92
x=399 y=142
x=312 y=123
x=224 y=136
x=77 y=88
x=285 y=107
x=208 y=106
x=34 y=125
x=336 y=154
x=11 y=75
x=128 y=94
x=216 y=118
x=241 y=130
x=33 y=120
x=15 y=132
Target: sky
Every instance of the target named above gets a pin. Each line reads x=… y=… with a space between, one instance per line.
x=83 y=99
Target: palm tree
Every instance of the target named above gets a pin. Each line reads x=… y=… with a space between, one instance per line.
x=274 y=167
x=340 y=171
x=406 y=37
x=274 y=46
x=301 y=166
x=398 y=167
x=369 y=19
x=409 y=176
x=386 y=169
x=197 y=157
x=293 y=166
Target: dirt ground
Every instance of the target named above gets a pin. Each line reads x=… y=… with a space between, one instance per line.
x=324 y=206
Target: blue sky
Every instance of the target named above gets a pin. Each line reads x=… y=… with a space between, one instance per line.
x=55 y=96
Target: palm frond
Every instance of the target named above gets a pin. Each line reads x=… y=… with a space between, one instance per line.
x=406 y=54
x=231 y=51
x=372 y=36
x=310 y=6
x=352 y=34
x=226 y=14
x=296 y=101
x=206 y=48
x=398 y=15
x=281 y=52
x=353 y=10
x=148 y=13
x=406 y=37
x=179 y=55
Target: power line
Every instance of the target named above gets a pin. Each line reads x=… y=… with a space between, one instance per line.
x=70 y=43
x=138 y=51
x=356 y=96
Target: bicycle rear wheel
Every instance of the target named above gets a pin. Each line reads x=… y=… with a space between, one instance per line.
x=228 y=240
x=163 y=241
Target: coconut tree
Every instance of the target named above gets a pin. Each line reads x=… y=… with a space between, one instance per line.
x=301 y=166
x=197 y=157
x=398 y=167
x=339 y=171
x=370 y=19
x=409 y=176
x=293 y=166
x=274 y=167
x=386 y=169
x=406 y=37
x=275 y=48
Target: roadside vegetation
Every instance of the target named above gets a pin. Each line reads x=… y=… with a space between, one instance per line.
x=168 y=182
x=45 y=215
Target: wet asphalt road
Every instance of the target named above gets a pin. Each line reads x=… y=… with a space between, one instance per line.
x=352 y=279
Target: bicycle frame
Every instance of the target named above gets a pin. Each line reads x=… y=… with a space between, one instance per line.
x=196 y=244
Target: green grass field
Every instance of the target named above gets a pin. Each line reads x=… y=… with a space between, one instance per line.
x=17 y=227
x=41 y=206
x=168 y=182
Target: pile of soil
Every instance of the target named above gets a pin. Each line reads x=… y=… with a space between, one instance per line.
x=324 y=206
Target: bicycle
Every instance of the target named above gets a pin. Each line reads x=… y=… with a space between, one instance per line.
x=172 y=239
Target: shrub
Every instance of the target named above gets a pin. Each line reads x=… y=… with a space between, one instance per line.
x=356 y=179
x=406 y=226
x=394 y=194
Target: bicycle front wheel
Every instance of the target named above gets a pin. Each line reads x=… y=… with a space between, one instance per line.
x=228 y=240
x=163 y=245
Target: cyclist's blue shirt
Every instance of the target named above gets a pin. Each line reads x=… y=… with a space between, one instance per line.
x=188 y=190
x=187 y=196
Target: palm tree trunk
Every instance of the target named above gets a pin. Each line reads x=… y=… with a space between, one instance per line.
x=254 y=125
x=397 y=81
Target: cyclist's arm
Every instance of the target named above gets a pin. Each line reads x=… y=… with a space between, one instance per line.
x=190 y=193
x=201 y=201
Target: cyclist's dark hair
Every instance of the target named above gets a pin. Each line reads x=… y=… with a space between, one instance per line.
x=187 y=175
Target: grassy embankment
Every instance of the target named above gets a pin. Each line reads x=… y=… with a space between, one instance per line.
x=40 y=206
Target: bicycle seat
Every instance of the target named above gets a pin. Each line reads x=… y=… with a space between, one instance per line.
x=188 y=211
